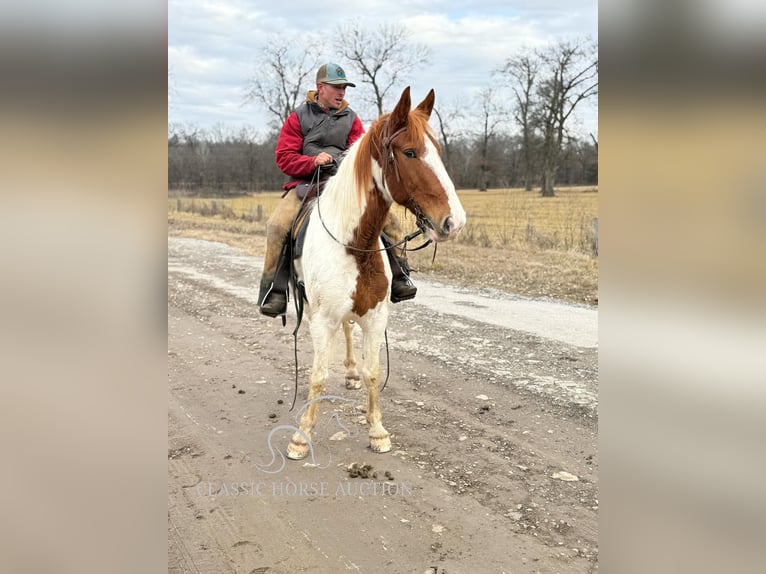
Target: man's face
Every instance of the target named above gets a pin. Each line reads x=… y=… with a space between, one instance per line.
x=331 y=96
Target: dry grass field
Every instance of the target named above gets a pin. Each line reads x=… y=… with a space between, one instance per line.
x=514 y=241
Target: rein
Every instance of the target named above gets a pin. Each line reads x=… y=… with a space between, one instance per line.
x=402 y=243
x=420 y=221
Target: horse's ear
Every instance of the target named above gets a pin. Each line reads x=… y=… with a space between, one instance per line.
x=401 y=112
x=427 y=105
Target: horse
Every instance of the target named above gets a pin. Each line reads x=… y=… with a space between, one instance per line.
x=344 y=275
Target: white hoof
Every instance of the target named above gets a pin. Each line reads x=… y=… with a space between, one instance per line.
x=380 y=444
x=297 y=451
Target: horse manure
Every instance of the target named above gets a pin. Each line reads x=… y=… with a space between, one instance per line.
x=280 y=401
x=363 y=471
x=366 y=471
x=484 y=408
x=241 y=391
x=272 y=416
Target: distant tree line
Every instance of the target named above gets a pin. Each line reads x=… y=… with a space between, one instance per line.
x=204 y=162
x=213 y=161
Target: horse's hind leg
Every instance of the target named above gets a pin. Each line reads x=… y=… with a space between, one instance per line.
x=322 y=338
x=379 y=438
x=352 y=375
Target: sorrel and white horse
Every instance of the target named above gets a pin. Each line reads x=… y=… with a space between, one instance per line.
x=346 y=274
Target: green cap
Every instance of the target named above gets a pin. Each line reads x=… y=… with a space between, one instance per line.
x=333 y=74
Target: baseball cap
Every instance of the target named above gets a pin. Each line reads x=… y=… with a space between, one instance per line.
x=332 y=74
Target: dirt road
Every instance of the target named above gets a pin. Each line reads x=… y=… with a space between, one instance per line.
x=491 y=405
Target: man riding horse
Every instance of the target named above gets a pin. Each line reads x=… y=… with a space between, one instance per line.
x=315 y=137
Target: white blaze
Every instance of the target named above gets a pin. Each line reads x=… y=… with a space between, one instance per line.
x=433 y=160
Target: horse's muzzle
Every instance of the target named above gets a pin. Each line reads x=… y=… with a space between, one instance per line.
x=449 y=229
x=452 y=227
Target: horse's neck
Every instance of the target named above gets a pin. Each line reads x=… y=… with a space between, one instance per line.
x=344 y=209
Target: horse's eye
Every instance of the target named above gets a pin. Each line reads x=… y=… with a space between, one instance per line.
x=410 y=153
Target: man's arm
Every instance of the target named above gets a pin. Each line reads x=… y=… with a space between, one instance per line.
x=289 y=147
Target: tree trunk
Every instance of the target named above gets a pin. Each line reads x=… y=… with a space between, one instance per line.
x=529 y=175
x=549 y=176
x=528 y=179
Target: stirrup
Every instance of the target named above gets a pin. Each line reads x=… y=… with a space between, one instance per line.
x=274 y=304
x=402 y=289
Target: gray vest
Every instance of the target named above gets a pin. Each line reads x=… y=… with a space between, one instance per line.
x=323 y=132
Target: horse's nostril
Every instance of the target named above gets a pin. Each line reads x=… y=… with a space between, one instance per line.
x=449 y=225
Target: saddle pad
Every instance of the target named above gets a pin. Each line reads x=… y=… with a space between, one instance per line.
x=306 y=191
x=299 y=228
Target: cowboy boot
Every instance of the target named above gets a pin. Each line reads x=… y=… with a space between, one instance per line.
x=273 y=289
x=402 y=287
x=273 y=302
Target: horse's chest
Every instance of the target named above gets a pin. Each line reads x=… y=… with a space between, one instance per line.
x=371 y=286
x=336 y=275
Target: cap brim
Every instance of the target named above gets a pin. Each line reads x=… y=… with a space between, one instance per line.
x=340 y=83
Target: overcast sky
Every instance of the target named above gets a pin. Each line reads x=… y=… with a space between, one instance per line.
x=213 y=47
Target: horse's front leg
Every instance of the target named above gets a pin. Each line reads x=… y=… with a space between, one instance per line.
x=322 y=338
x=379 y=438
x=352 y=375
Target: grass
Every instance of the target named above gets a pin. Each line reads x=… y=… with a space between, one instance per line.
x=514 y=241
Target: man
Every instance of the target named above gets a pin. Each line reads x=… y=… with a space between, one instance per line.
x=317 y=135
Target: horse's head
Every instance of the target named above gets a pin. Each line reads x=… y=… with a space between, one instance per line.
x=412 y=169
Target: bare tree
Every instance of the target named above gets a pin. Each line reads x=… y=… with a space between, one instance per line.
x=569 y=76
x=448 y=118
x=492 y=116
x=283 y=70
x=382 y=57
x=522 y=72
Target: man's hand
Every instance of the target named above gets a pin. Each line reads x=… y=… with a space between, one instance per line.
x=323 y=158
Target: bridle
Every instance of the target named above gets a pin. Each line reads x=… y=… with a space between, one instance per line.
x=421 y=221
